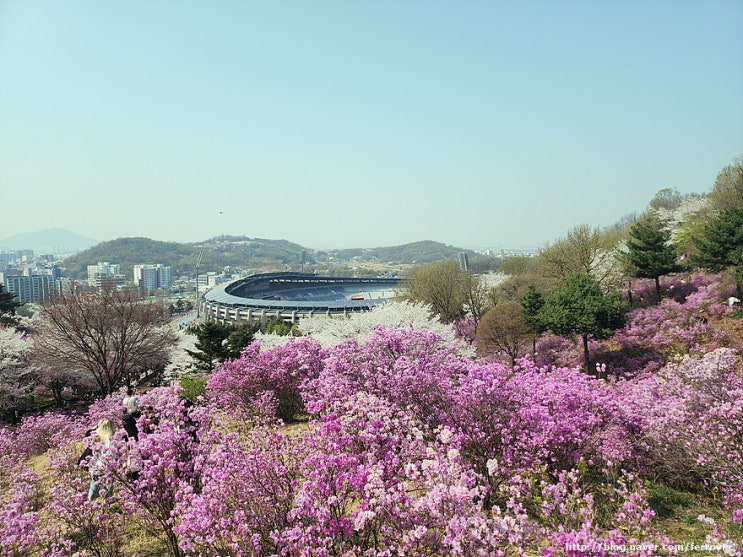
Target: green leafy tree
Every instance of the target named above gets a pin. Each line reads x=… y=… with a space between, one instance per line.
x=504 y=329
x=720 y=244
x=277 y=326
x=441 y=286
x=8 y=305
x=667 y=198
x=583 y=249
x=580 y=307
x=727 y=191
x=517 y=265
x=651 y=254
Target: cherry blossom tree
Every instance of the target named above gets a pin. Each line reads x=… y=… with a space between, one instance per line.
x=109 y=334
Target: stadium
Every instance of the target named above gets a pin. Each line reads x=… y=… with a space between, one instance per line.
x=292 y=296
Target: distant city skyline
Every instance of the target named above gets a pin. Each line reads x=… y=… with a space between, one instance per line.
x=360 y=124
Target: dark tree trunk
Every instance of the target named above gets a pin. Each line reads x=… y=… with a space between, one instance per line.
x=586 y=358
x=657 y=290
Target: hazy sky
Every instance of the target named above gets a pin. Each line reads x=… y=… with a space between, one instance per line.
x=360 y=123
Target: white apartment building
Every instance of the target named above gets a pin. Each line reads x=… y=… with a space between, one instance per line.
x=152 y=277
x=105 y=273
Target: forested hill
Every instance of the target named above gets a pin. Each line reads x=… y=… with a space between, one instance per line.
x=244 y=253
x=253 y=254
x=425 y=251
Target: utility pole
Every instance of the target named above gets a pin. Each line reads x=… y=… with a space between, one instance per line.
x=198 y=262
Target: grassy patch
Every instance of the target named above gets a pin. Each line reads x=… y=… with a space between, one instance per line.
x=666 y=501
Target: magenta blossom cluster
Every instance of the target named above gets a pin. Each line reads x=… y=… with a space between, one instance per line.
x=396 y=445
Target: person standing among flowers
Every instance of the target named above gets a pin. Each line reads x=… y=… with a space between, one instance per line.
x=103 y=436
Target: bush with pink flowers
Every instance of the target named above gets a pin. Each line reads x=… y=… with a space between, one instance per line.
x=402 y=443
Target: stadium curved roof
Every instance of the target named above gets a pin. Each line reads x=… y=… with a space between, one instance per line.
x=304 y=292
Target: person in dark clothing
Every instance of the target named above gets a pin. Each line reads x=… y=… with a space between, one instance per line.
x=151 y=420
x=133 y=461
x=129 y=423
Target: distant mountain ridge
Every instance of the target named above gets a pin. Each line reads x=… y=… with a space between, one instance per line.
x=424 y=251
x=51 y=240
x=241 y=252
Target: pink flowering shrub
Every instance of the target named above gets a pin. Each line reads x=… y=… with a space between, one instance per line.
x=700 y=290
x=20 y=500
x=690 y=417
x=248 y=484
x=150 y=474
x=266 y=383
x=669 y=328
x=364 y=480
x=37 y=433
x=572 y=524
x=413 y=369
x=533 y=418
x=73 y=524
x=412 y=448
x=111 y=407
x=465 y=329
x=553 y=350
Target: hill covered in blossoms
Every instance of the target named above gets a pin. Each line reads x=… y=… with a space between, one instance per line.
x=390 y=437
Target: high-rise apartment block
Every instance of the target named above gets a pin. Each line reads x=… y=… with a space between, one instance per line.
x=464 y=261
x=152 y=277
x=28 y=288
x=105 y=273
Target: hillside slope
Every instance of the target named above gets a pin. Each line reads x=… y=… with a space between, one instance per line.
x=249 y=254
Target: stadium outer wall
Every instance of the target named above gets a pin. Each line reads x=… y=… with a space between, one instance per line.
x=258 y=298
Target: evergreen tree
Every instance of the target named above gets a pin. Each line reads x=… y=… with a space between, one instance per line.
x=8 y=305
x=532 y=302
x=240 y=337
x=579 y=307
x=217 y=343
x=651 y=253
x=720 y=244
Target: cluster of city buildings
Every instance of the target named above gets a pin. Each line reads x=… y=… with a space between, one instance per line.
x=146 y=277
x=34 y=279
x=30 y=278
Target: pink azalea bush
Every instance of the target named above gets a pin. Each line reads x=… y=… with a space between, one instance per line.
x=266 y=384
x=401 y=444
x=19 y=502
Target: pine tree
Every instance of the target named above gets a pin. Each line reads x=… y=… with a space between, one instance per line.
x=651 y=253
x=8 y=305
x=720 y=244
x=217 y=343
x=579 y=307
x=532 y=302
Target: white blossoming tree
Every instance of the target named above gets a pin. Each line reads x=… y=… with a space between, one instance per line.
x=181 y=362
x=16 y=376
x=358 y=326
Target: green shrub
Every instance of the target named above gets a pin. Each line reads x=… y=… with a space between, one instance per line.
x=193 y=385
x=665 y=500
